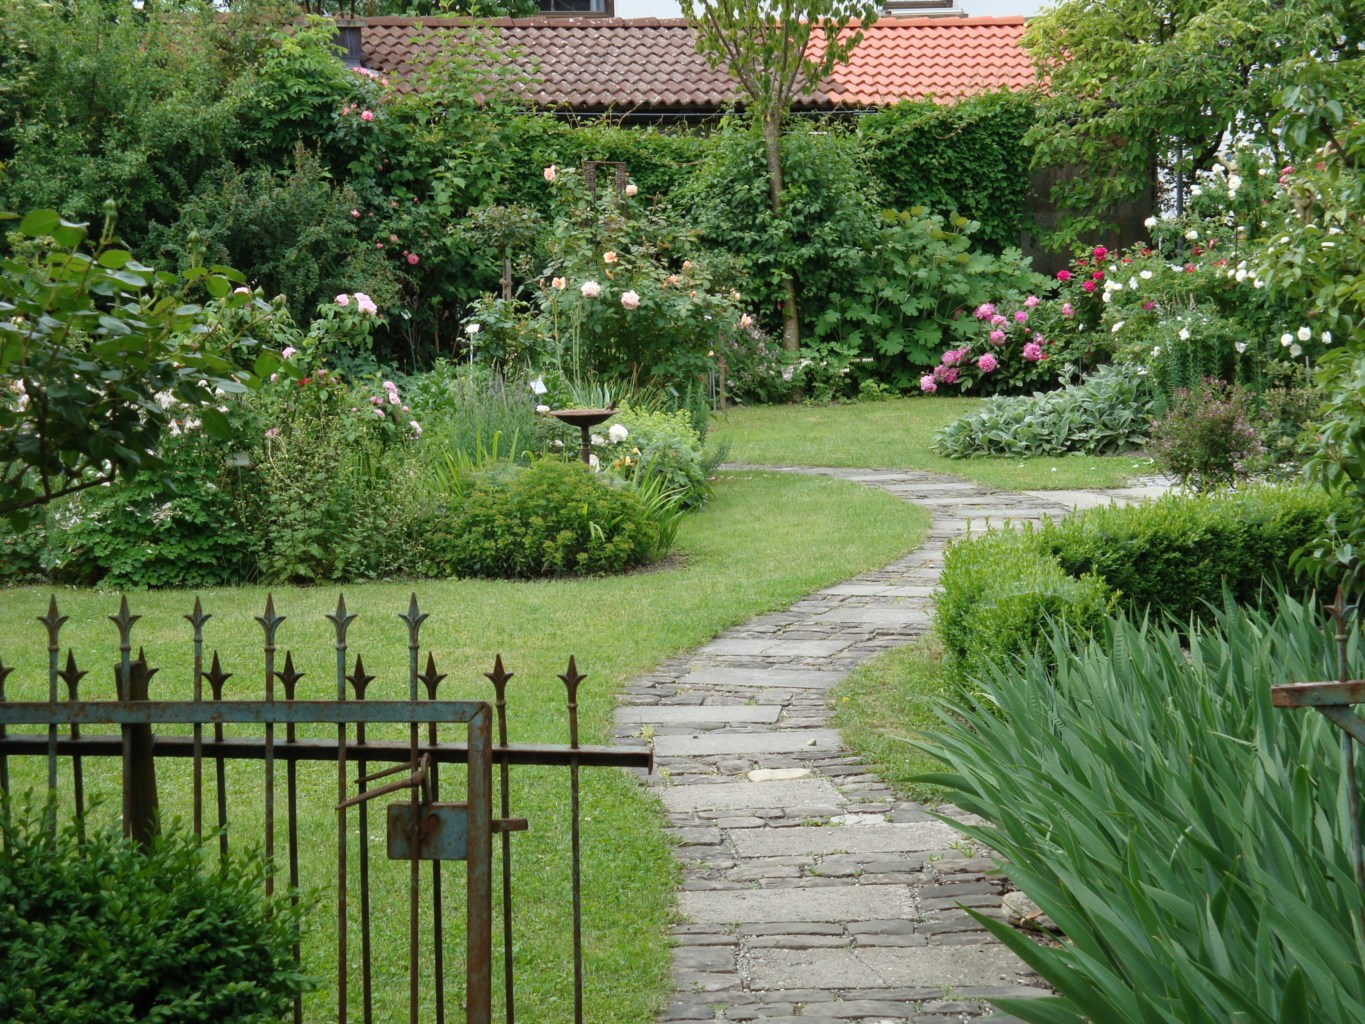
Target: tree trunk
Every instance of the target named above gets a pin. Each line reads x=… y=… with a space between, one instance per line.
x=772 y=143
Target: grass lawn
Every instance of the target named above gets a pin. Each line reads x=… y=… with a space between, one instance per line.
x=887 y=702
x=896 y=434
x=764 y=541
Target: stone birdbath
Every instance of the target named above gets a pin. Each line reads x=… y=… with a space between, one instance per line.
x=584 y=420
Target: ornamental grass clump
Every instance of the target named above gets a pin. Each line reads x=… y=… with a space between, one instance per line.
x=1191 y=841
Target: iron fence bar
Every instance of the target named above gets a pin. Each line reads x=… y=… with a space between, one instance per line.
x=478 y=872
x=270 y=622
x=124 y=622
x=431 y=679
x=572 y=679
x=5 y=670
x=341 y=620
x=239 y=712
x=197 y=619
x=53 y=620
x=360 y=680
x=217 y=678
x=72 y=676
x=413 y=619
x=289 y=678
x=500 y=677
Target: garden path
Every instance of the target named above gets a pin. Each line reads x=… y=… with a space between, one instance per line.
x=812 y=894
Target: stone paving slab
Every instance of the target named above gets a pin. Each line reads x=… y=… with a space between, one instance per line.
x=796 y=678
x=746 y=795
x=918 y=837
x=827 y=903
x=812 y=893
x=700 y=713
x=708 y=743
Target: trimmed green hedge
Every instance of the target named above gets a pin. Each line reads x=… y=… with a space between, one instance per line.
x=1173 y=557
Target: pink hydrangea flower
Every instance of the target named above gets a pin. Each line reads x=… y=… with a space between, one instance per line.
x=416 y=428
x=1033 y=351
x=1021 y=317
x=926 y=383
x=950 y=375
x=984 y=311
x=997 y=337
x=987 y=363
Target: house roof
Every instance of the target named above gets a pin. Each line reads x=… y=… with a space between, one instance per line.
x=597 y=64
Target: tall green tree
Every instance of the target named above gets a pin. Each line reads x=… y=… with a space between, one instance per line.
x=777 y=50
x=1132 y=86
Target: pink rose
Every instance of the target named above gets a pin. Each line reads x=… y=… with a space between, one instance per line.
x=926 y=384
x=355 y=214
x=987 y=363
x=413 y=259
x=590 y=289
x=632 y=189
x=289 y=352
x=343 y=299
x=551 y=173
x=558 y=284
x=631 y=300
x=1063 y=275
x=1100 y=252
x=1088 y=286
x=367 y=115
x=365 y=304
x=1033 y=351
x=745 y=322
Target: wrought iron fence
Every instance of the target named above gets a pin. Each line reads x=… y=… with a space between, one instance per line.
x=419 y=828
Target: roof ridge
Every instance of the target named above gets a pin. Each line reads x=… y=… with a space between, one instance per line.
x=596 y=22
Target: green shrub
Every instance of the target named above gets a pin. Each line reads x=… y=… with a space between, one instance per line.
x=663 y=445
x=1172 y=557
x=1206 y=438
x=551 y=519
x=999 y=593
x=1109 y=411
x=94 y=930
x=1192 y=842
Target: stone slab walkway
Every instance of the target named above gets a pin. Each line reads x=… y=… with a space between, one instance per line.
x=811 y=893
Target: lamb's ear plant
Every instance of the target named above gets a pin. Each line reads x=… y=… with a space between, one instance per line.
x=1192 y=842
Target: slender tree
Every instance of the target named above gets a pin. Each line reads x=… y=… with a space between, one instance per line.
x=777 y=50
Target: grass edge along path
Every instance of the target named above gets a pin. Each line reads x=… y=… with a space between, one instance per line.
x=896 y=434
x=766 y=540
x=889 y=702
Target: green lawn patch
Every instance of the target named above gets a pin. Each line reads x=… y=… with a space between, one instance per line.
x=896 y=434
x=887 y=703
x=763 y=541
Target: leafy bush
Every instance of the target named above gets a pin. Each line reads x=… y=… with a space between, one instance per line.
x=964 y=158
x=1109 y=411
x=1191 y=841
x=1206 y=438
x=94 y=930
x=663 y=445
x=1174 y=556
x=551 y=519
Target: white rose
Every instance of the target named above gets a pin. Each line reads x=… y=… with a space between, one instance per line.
x=472 y=330
x=1304 y=334
x=1184 y=334
x=1192 y=235
x=1116 y=328
x=1286 y=340
x=1327 y=337
x=1241 y=346
x=1295 y=350
x=618 y=433
x=1146 y=275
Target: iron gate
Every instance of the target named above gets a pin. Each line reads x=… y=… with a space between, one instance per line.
x=419 y=826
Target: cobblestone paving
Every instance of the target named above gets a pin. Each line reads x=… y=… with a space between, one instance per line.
x=811 y=893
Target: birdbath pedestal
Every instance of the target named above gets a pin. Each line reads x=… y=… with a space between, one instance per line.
x=584 y=420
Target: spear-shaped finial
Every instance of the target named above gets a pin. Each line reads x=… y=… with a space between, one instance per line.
x=431 y=678
x=571 y=679
x=122 y=620
x=359 y=679
x=270 y=622
x=69 y=675
x=217 y=677
x=197 y=618
x=414 y=619
x=341 y=619
x=499 y=677
x=54 y=620
x=289 y=677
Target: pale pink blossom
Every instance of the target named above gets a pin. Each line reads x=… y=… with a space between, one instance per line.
x=355 y=214
x=367 y=115
x=609 y=257
x=1031 y=301
x=631 y=300
x=1033 y=352
x=997 y=337
x=1067 y=310
x=289 y=352
x=745 y=322
x=412 y=259
x=243 y=290
x=926 y=384
x=632 y=189
x=984 y=311
x=365 y=304
x=343 y=299
x=590 y=289
x=416 y=428
x=559 y=284
x=551 y=173
x=1021 y=317
x=273 y=432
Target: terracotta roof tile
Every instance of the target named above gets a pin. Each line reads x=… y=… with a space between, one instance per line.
x=650 y=63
